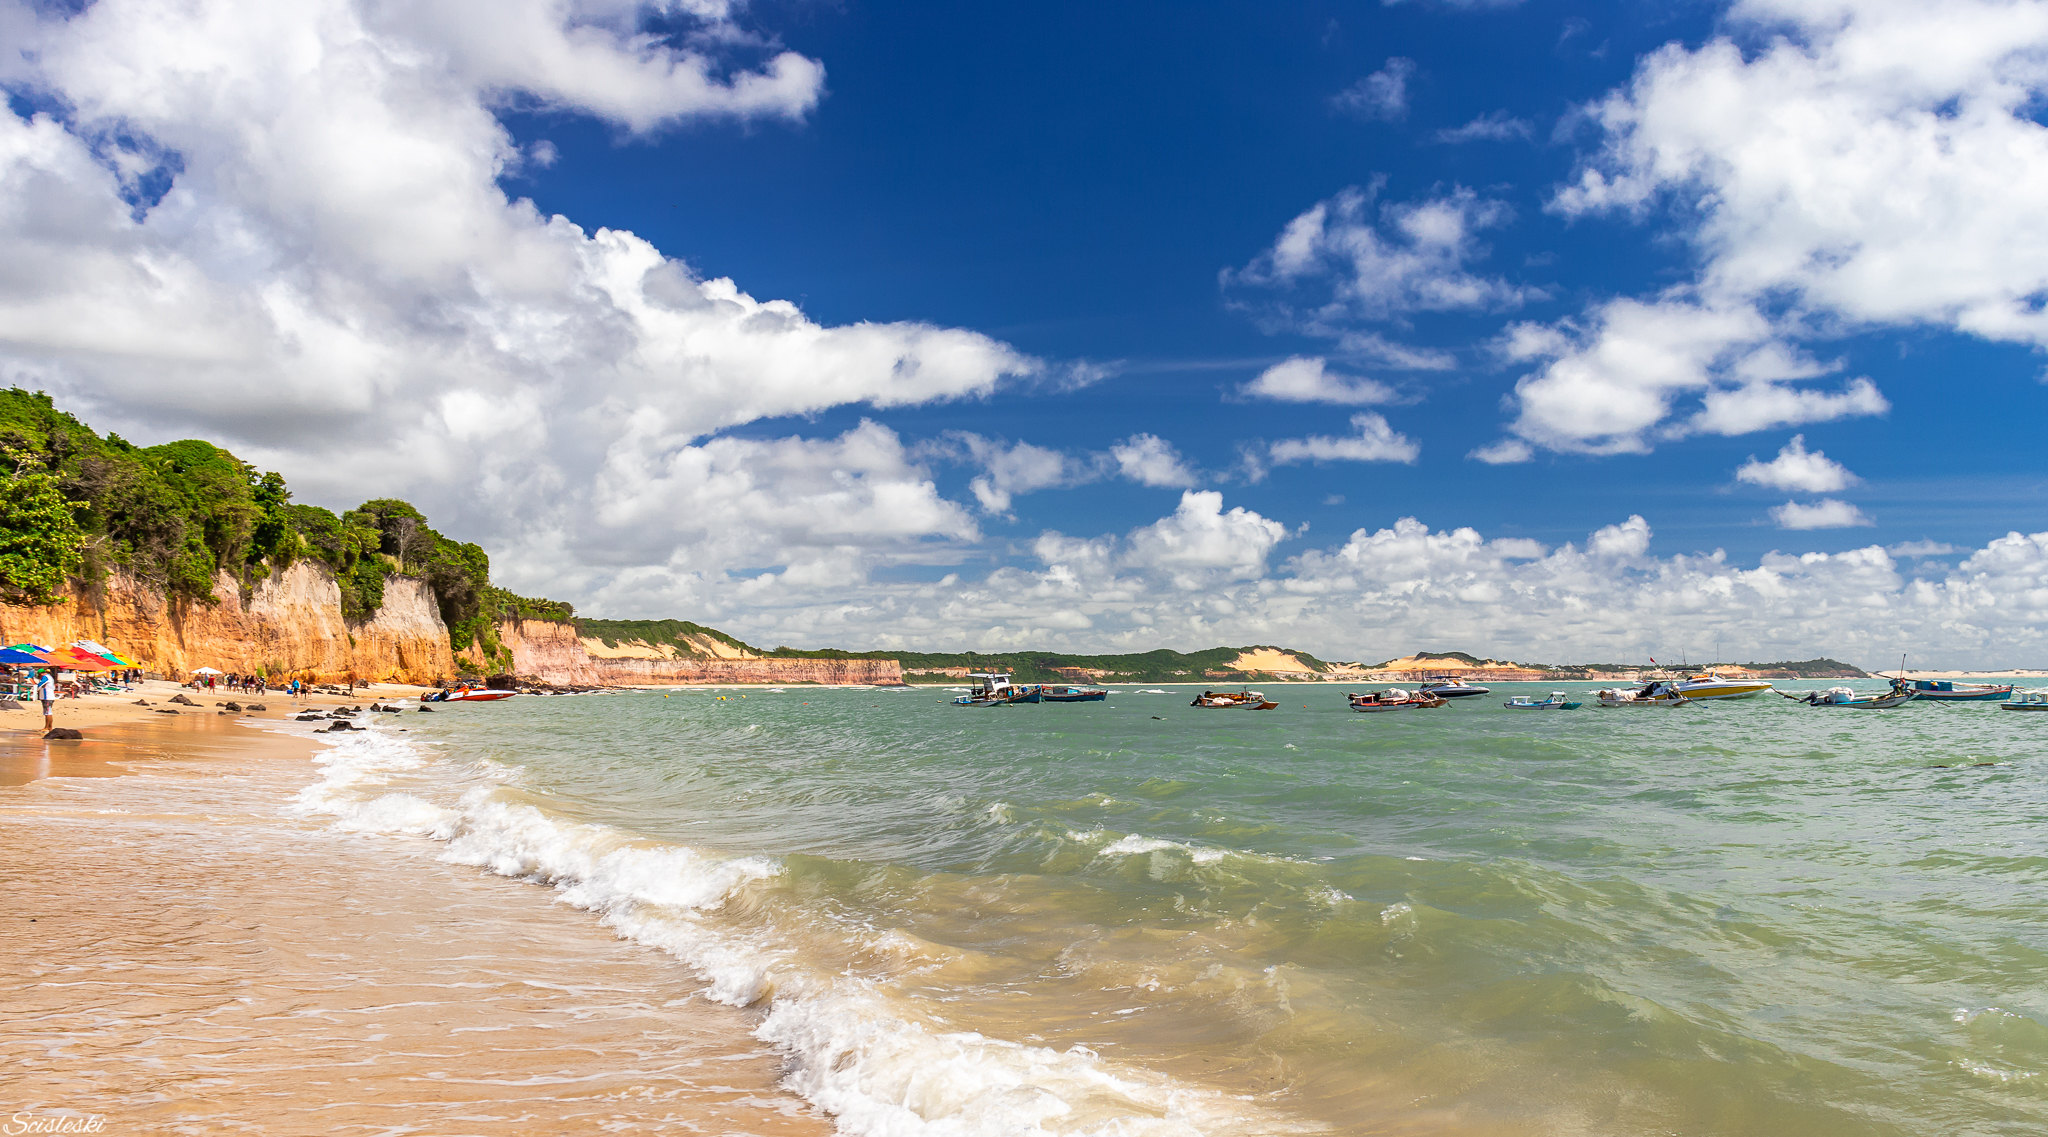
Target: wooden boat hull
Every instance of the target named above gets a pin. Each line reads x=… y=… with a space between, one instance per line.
x=1941 y=692
x=1073 y=695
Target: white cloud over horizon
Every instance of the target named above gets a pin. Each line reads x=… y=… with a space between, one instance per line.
x=1827 y=513
x=1797 y=468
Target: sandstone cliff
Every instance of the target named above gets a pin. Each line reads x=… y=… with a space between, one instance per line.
x=290 y=626
x=554 y=653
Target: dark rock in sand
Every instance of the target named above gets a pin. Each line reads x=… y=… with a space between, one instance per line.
x=341 y=726
x=232 y=706
x=423 y=707
x=310 y=718
x=142 y=702
x=9 y=705
x=258 y=707
x=165 y=711
x=63 y=732
x=183 y=701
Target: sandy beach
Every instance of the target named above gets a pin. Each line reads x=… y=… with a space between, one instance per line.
x=182 y=955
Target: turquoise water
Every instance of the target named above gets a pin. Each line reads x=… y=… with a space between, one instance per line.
x=1732 y=918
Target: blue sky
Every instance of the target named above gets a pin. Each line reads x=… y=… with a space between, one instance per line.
x=1083 y=326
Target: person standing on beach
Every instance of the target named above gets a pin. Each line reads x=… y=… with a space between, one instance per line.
x=46 y=693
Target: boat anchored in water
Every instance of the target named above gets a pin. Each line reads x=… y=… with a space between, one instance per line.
x=1713 y=685
x=994 y=689
x=1073 y=694
x=1658 y=693
x=1452 y=687
x=1950 y=691
x=1233 y=700
x=2027 y=701
x=1393 y=699
x=467 y=695
x=1556 y=702
x=1844 y=697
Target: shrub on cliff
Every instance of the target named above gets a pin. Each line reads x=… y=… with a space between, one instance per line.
x=41 y=545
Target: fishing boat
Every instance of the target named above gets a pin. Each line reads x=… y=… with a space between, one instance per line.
x=1393 y=699
x=2027 y=701
x=1556 y=702
x=1950 y=691
x=1452 y=687
x=1233 y=700
x=1657 y=693
x=1073 y=694
x=1844 y=697
x=1712 y=685
x=994 y=689
x=467 y=695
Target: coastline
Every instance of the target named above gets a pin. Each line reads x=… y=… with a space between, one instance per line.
x=182 y=953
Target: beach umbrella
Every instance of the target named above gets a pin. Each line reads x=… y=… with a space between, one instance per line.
x=104 y=652
x=208 y=671
x=30 y=655
x=76 y=660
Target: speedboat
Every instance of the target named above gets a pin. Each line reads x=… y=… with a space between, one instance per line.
x=1844 y=697
x=2025 y=701
x=1073 y=694
x=1659 y=693
x=1393 y=699
x=467 y=695
x=1709 y=685
x=1452 y=687
x=1229 y=700
x=1949 y=691
x=994 y=689
x=1556 y=702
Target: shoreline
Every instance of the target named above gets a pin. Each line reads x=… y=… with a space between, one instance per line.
x=183 y=953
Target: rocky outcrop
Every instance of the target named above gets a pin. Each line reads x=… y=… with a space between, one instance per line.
x=290 y=626
x=554 y=653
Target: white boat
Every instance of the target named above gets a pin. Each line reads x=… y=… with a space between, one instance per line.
x=1658 y=693
x=1393 y=699
x=1844 y=697
x=1452 y=687
x=1710 y=685
x=2027 y=701
x=1556 y=702
x=467 y=695
x=1233 y=701
x=994 y=689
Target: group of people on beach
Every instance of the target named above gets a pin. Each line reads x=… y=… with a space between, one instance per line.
x=244 y=684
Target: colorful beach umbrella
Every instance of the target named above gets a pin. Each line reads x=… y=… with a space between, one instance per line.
x=29 y=655
x=104 y=652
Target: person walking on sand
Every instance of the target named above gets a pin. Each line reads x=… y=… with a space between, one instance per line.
x=46 y=693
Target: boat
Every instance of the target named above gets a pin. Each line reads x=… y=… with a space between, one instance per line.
x=1844 y=697
x=1656 y=693
x=1233 y=700
x=1950 y=691
x=1073 y=694
x=1713 y=685
x=2026 y=701
x=1452 y=687
x=1556 y=702
x=994 y=689
x=467 y=695
x=1393 y=699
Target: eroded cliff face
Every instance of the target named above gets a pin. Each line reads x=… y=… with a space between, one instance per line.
x=554 y=653
x=291 y=626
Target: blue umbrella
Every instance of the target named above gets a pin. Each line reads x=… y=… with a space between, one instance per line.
x=19 y=654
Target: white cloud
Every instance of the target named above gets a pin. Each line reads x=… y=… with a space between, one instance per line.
x=1382 y=95
x=1505 y=452
x=1827 y=513
x=1373 y=440
x=1338 y=262
x=1308 y=379
x=333 y=281
x=1919 y=549
x=1150 y=460
x=1200 y=542
x=1493 y=126
x=1860 y=165
x=1796 y=468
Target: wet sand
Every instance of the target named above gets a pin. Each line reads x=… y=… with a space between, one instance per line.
x=178 y=955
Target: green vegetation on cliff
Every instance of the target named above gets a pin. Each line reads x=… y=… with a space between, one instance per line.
x=175 y=517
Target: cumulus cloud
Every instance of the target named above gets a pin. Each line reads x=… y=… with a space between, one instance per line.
x=1344 y=261
x=1308 y=379
x=283 y=226
x=1505 y=452
x=1200 y=543
x=1827 y=513
x=1372 y=439
x=1009 y=469
x=1382 y=95
x=1864 y=165
x=1150 y=460
x=1796 y=468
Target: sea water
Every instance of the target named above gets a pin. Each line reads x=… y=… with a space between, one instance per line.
x=1136 y=917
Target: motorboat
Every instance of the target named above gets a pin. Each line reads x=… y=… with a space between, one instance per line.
x=467 y=695
x=1073 y=694
x=1657 y=693
x=1233 y=700
x=1844 y=697
x=994 y=689
x=2026 y=701
x=1712 y=685
x=1950 y=691
x=1393 y=699
x=1452 y=687
x=1555 y=702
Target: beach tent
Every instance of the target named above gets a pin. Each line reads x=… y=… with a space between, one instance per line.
x=208 y=671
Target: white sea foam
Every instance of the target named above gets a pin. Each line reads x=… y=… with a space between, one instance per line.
x=855 y=1050
x=1135 y=845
